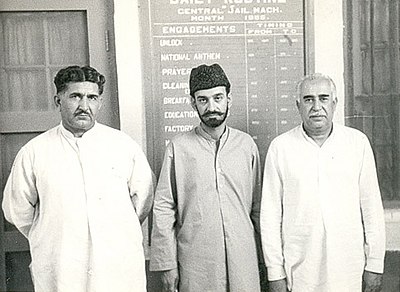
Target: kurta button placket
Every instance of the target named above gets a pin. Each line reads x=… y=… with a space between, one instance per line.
x=326 y=163
x=222 y=195
x=81 y=156
x=84 y=158
x=219 y=177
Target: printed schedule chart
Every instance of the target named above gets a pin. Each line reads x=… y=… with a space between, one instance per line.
x=260 y=45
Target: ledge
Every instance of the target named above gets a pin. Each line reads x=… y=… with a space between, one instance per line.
x=392 y=220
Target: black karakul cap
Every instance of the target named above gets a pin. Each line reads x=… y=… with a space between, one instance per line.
x=206 y=77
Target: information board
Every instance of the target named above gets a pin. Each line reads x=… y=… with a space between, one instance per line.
x=260 y=45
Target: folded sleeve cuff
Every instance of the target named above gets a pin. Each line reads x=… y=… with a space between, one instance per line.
x=375 y=265
x=276 y=273
x=162 y=266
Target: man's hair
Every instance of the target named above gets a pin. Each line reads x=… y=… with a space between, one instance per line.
x=312 y=77
x=78 y=74
x=206 y=77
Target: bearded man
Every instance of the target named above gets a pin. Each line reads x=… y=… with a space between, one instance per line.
x=206 y=210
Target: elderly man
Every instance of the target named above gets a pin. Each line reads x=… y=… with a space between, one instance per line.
x=322 y=220
x=78 y=192
x=206 y=209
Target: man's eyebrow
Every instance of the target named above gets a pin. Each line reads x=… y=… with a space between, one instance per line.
x=80 y=94
x=319 y=95
x=75 y=93
x=201 y=96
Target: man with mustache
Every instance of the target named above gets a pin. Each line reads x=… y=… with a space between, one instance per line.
x=322 y=221
x=79 y=192
x=206 y=209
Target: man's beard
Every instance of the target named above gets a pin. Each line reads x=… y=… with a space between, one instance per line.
x=214 y=122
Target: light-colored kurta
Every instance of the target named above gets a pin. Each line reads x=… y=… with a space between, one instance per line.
x=206 y=212
x=75 y=200
x=318 y=205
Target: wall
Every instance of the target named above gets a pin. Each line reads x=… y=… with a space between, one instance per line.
x=328 y=30
x=328 y=40
x=329 y=59
x=129 y=70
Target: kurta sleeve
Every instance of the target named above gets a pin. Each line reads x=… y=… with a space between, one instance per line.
x=255 y=210
x=271 y=217
x=20 y=193
x=163 y=240
x=372 y=213
x=141 y=185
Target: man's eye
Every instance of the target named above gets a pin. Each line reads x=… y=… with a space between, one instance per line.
x=92 y=97
x=201 y=100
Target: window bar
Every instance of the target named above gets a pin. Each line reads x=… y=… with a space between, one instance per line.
x=395 y=93
x=372 y=61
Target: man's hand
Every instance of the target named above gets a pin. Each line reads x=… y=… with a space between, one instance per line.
x=372 y=282
x=170 y=280
x=278 y=286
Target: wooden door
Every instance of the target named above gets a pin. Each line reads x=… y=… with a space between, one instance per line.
x=373 y=88
x=37 y=38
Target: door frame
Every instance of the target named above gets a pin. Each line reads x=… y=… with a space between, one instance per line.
x=101 y=46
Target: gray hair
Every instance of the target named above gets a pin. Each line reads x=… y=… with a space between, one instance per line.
x=315 y=76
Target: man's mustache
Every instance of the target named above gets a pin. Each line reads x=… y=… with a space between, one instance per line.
x=82 y=112
x=213 y=113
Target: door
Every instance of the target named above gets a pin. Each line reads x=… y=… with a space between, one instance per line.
x=37 y=38
x=373 y=90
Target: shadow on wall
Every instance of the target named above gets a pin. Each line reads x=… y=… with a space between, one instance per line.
x=391 y=278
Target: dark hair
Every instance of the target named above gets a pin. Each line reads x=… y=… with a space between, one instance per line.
x=78 y=74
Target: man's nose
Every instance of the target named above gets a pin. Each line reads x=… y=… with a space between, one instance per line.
x=212 y=106
x=316 y=105
x=83 y=103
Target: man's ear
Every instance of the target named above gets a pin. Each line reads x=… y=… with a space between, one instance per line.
x=297 y=104
x=100 y=101
x=335 y=101
x=229 y=97
x=57 y=100
x=193 y=103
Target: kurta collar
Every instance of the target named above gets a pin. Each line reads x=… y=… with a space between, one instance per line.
x=309 y=139
x=199 y=131
x=68 y=135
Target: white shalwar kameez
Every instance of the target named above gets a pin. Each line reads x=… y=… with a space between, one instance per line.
x=77 y=200
x=322 y=221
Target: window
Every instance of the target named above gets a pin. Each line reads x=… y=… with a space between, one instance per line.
x=34 y=46
x=373 y=87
